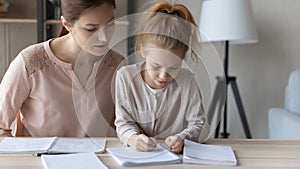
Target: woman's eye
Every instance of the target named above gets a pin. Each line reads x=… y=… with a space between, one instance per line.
x=91 y=30
x=112 y=23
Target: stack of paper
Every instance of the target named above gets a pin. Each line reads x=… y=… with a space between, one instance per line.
x=51 y=145
x=73 y=161
x=126 y=156
x=208 y=154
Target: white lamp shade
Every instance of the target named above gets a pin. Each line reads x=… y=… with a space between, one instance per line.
x=227 y=20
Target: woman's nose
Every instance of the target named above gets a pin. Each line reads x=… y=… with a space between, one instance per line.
x=102 y=35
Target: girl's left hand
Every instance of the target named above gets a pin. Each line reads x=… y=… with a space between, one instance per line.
x=174 y=143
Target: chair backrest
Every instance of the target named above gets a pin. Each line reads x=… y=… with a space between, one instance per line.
x=292 y=93
x=19 y=126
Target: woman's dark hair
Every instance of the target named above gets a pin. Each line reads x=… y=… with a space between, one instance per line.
x=72 y=9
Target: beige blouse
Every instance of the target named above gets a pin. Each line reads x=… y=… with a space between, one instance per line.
x=51 y=99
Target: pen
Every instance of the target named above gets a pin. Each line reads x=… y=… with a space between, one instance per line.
x=40 y=154
x=140 y=129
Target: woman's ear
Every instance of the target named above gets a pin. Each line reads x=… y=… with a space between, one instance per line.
x=66 y=24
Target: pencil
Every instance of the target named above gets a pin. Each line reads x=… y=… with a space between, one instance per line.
x=140 y=129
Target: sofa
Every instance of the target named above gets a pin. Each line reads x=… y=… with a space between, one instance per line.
x=284 y=123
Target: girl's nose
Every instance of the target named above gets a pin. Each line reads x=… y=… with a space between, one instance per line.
x=163 y=74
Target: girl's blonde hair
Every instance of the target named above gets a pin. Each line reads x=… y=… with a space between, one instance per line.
x=170 y=26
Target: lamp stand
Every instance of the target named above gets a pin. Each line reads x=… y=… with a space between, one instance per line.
x=230 y=80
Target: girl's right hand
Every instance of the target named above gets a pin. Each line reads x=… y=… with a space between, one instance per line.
x=142 y=143
x=174 y=143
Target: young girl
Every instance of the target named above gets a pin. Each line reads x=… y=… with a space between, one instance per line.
x=157 y=98
x=54 y=92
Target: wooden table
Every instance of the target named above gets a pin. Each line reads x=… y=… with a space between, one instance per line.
x=250 y=153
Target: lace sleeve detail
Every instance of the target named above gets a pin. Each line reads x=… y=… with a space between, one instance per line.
x=36 y=58
x=113 y=59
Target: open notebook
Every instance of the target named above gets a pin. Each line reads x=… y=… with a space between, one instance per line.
x=208 y=154
x=51 y=145
x=126 y=156
x=72 y=161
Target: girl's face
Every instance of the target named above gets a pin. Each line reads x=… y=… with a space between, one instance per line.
x=161 y=65
x=94 y=28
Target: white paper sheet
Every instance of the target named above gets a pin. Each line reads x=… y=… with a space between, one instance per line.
x=72 y=161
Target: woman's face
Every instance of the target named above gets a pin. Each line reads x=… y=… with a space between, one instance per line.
x=161 y=65
x=94 y=28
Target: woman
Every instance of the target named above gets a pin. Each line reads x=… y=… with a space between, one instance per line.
x=61 y=87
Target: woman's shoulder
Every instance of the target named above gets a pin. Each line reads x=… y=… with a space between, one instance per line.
x=34 y=48
x=116 y=55
x=113 y=59
x=35 y=57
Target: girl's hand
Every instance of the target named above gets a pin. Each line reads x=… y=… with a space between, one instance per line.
x=174 y=143
x=142 y=143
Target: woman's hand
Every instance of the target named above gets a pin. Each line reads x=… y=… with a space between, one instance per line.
x=174 y=143
x=142 y=143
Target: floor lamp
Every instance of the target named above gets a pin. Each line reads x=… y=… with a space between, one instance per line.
x=228 y=21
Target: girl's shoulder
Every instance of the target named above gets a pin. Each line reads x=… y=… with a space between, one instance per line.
x=186 y=73
x=186 y=76
x=130 y=69
x=129 y=72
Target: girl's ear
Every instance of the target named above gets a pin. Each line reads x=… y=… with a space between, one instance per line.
x=66 y=24
x=142 y=51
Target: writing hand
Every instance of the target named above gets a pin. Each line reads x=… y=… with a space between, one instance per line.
x=142 y=143
x=174 y=143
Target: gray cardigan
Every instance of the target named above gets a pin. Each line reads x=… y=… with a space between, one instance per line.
x=176 y=110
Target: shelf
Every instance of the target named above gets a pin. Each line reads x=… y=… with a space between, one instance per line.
x=17 y=20
x=52 y=21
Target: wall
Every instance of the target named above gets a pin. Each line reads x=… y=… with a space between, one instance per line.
x=263 y=68
x=15 y=37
